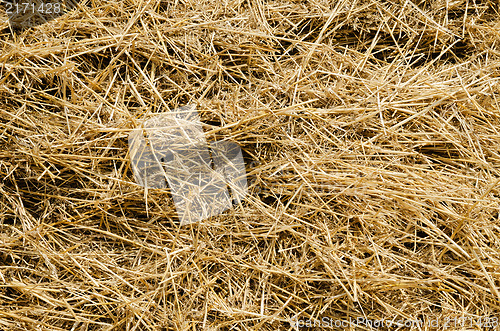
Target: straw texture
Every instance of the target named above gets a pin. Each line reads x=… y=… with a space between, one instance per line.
x=370 y=130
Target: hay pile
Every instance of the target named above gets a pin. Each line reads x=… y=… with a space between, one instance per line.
x=371 y=135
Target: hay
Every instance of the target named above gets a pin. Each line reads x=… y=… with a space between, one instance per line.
x=371 y=135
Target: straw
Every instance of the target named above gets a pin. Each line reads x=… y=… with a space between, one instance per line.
x=370 y=130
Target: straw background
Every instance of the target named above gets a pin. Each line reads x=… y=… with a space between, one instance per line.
x=371 y=134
